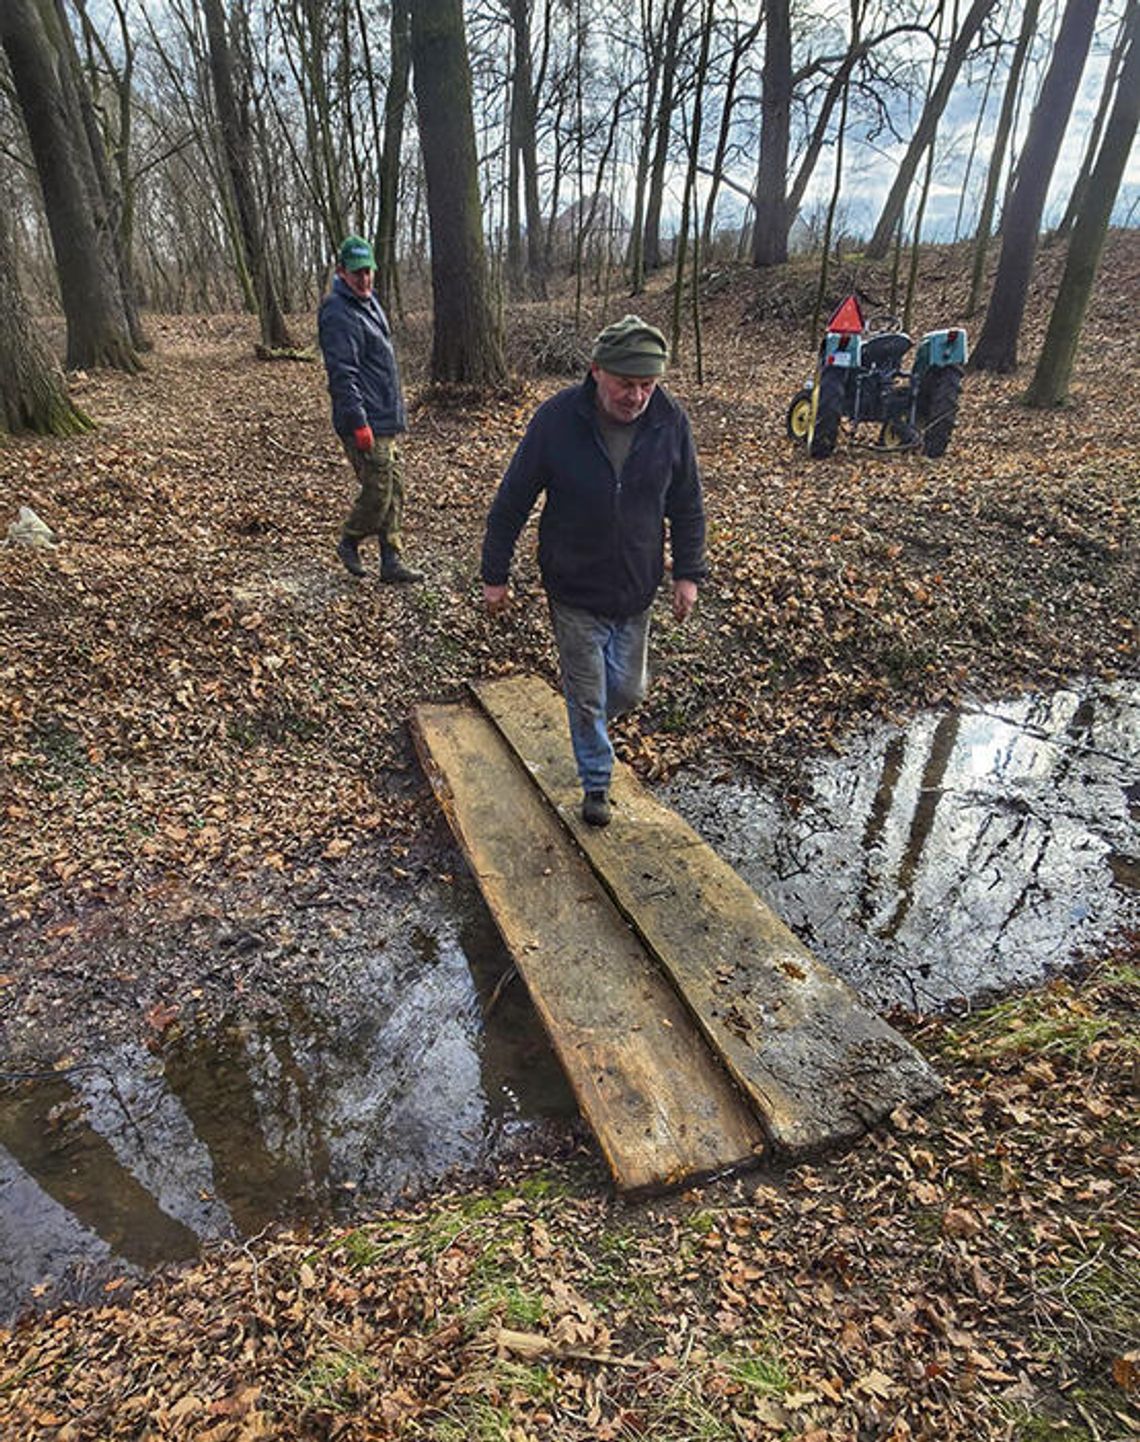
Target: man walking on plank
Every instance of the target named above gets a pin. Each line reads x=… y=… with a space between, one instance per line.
x=614 y=456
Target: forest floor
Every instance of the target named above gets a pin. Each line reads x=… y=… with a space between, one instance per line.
x=204 y=718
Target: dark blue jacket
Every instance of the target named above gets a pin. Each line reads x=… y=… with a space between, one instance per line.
x=364 y=381
x=601 y=537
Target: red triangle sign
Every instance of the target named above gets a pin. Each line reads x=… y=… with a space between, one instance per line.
x=847 y=318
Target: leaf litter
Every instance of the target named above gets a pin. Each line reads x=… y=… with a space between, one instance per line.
x=204 y=726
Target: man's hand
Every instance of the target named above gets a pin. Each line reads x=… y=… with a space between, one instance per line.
x=684 y=599
x=364 y=438
x=496 y=598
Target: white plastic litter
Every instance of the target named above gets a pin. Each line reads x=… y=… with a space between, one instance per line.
x=28 y=530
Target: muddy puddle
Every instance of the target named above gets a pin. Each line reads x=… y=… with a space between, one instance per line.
x=973 y=851
x=411 y=1061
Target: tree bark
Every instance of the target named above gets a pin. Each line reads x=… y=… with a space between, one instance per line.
x=770 y=229
x=466 y=343
x=33 y=394
x=117 y=188
x=1081 y=185
x=236 y=144
x=652 y=46
x=997 y=154
x=996 y=349
x=97 y=328
x=651 y=247
x=395 y=106
x=1055 y=365
x=927 y=126
x=524 y=146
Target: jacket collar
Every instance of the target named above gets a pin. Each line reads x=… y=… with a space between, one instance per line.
x=343 y=289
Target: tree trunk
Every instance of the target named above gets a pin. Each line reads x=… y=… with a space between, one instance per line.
x=651 y=248
x=925 y=132
x=652 y=45
x=33 y=395
x=97 y=328
x=466 y=343
x=1051 y=379
x=238 y=155
x=395 y=106
x=997 y=346
x=997 y=154
x=1083 y=180
x=770 y=231
x=116 y=190
x=689 y=198
x=740 y=46
x=525 y=147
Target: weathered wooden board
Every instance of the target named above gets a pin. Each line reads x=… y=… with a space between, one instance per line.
x=660 y=1104
x=818 y=1064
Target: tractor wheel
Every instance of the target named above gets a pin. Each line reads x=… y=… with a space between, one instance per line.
x=938 y=407
x=829 y=408
x=798 y=419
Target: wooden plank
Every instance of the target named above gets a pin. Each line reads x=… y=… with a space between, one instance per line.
x=661 y=1105
x=818 y=1064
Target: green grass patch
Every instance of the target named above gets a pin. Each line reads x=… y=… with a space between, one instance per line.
x=514 y=1306
x=1058 y=1022
x=764 y=1375
x=334 y=1381
x=471 y=1419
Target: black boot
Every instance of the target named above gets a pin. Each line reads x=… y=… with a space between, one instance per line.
x=347 y=550
x=596 y=809
x=392 y=566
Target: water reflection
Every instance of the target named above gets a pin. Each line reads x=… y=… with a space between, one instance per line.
x=388 y=1079
x=972 y=852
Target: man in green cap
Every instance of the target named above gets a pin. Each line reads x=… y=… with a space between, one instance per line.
x=367 y=409
x=614 y=456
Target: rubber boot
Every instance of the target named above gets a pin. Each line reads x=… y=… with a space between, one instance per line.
x=392 y=567
x=347 y=550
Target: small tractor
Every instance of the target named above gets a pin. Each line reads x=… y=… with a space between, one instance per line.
x=860 y=377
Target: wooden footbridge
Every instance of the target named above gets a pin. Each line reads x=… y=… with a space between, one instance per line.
x=696 y=1031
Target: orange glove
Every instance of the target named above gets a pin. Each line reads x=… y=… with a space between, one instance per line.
x=363 y=437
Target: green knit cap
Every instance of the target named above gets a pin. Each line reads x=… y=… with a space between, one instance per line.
x=631 y=347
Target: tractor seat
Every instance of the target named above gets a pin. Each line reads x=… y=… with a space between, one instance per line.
x=886 y=349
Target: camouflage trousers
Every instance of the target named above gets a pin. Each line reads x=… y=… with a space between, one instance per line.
x=379 y=508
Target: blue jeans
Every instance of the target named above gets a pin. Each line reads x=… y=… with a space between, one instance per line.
x=605 y=671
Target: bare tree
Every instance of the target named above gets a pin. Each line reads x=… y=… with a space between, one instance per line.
x=236 y=142
x=112 y=137
x=395 y=108
x=663 y=130
x=1081 y=185
x=770 y=230
x=528 y=277
x=466 y=342
x=1054 y=366
x=996 y=348
x=97 y=328
x=998 y=150
x=924 y=134
x=33 y=394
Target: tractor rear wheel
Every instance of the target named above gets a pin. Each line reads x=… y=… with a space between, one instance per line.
x=829 y=408
x=938 y=407
x=798 y=419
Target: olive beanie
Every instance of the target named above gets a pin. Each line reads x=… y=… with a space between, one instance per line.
x=631 y=347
